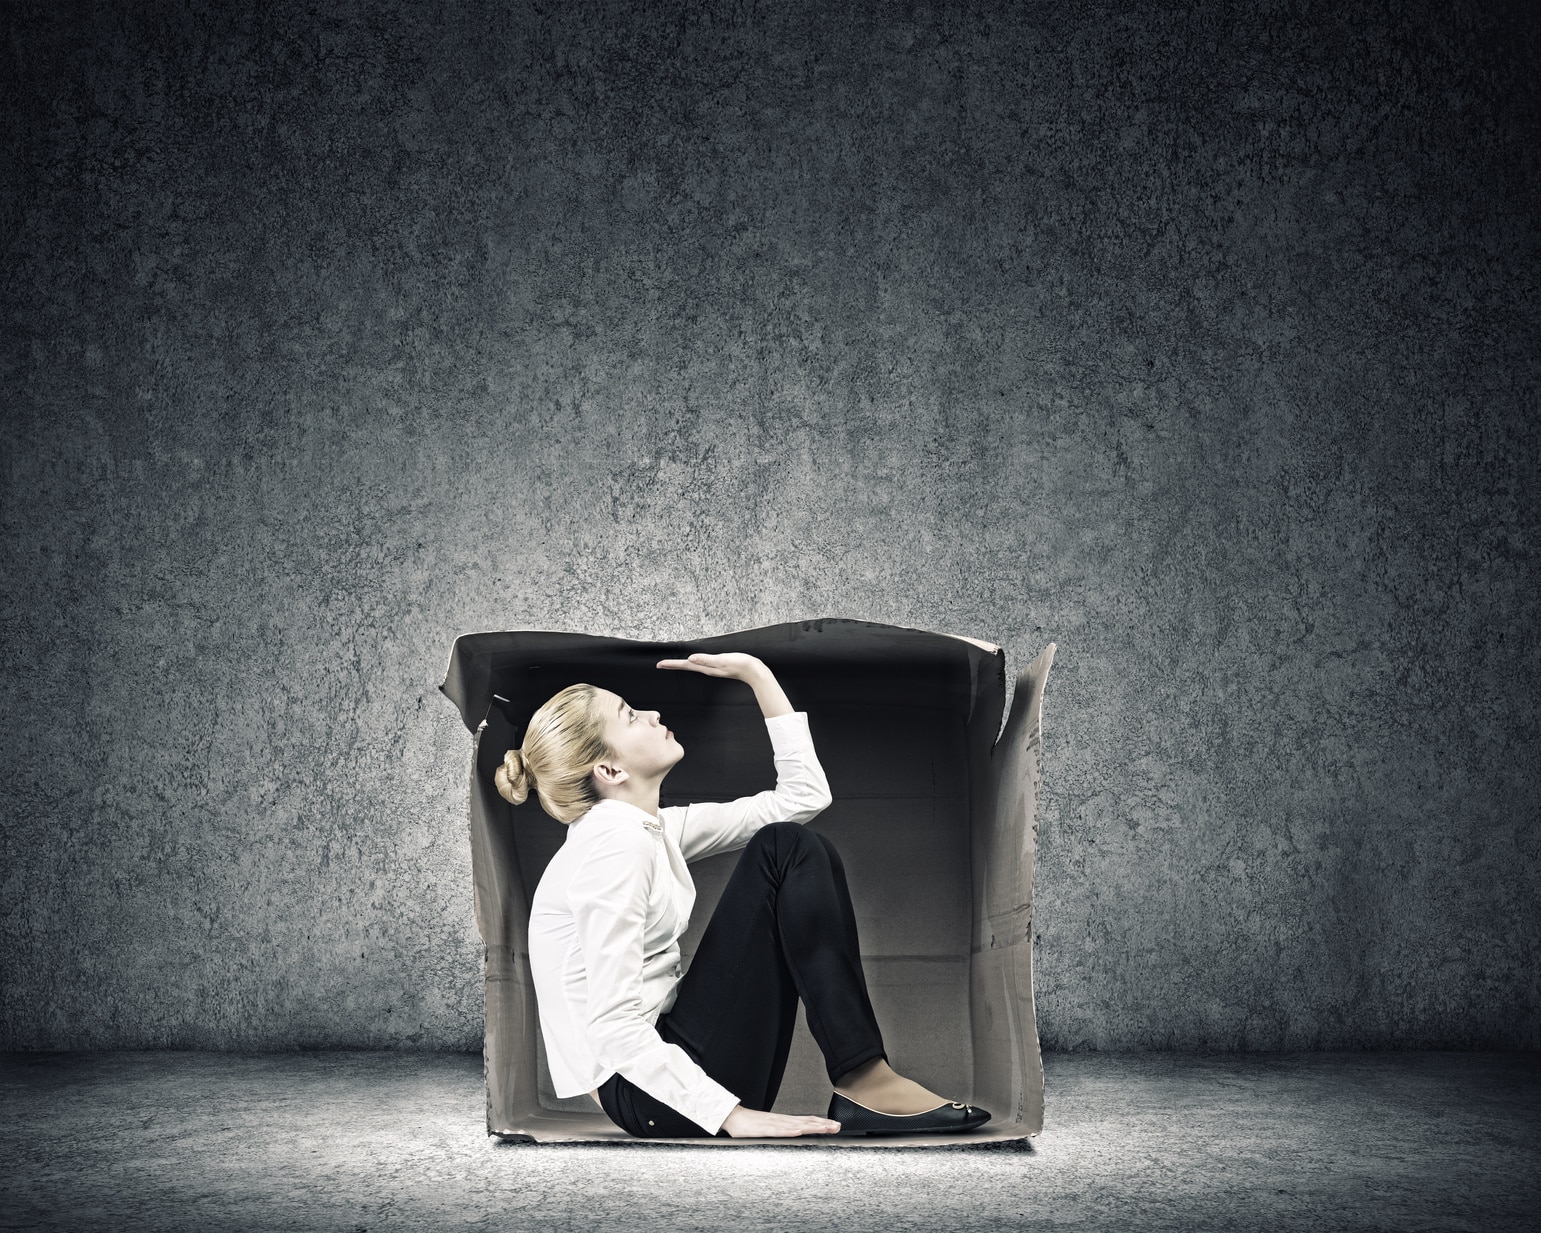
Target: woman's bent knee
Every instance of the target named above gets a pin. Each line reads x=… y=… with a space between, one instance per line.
x=831 y=852
x=779 y=840
x=788 y=831
x=794 y=835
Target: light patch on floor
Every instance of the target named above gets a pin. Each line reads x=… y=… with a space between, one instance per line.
x=367 y=1142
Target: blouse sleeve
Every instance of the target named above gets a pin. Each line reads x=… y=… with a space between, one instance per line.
x=801 y=794
x=608 y=898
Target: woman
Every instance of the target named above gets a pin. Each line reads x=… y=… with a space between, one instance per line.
x=672 y=1056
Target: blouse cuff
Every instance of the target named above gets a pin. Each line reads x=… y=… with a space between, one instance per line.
x=713 y=1118
x=789 y=733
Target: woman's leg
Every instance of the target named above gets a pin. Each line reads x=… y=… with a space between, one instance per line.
x=784 y=929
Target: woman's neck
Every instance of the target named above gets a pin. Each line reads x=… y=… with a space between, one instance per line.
x=643 y=795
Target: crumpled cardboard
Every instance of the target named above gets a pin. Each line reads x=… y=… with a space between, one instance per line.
x=935 y=815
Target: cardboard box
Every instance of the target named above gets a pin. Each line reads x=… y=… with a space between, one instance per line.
x=935 y=815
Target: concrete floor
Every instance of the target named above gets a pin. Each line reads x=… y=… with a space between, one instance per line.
x=377 y=1141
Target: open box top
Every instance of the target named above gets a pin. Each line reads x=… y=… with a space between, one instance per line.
x=935 y=814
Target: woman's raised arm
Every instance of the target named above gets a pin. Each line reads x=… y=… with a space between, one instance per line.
x=801 y=791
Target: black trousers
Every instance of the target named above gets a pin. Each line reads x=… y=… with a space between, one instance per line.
x=783 y=930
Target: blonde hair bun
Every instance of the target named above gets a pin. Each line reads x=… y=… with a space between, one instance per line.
x=565 y=738
x=512 y=778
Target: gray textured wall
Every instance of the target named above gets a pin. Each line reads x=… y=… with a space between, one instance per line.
x=1202 y=344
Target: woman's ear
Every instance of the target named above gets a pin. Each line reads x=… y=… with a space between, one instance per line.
x=609 y=774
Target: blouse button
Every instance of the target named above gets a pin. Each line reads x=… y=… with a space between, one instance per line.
x=649 y=1121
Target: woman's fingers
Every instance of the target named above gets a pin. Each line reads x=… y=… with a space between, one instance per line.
x=711 y=665
x=734 y=664
x=795 y=1126
x=813 y=1125
x=744 y=1123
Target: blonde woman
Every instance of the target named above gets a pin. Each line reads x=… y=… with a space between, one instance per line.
x=667 y=1055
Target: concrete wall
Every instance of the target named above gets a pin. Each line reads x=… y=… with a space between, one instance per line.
x=1202 y=344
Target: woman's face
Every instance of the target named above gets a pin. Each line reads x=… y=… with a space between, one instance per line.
x=642 y=744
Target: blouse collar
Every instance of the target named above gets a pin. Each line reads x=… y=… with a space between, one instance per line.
x=611 y=807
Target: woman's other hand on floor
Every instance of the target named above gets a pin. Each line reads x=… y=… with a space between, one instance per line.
x=744 y=1123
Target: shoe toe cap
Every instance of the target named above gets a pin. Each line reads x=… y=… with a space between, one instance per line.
x=972 y=1115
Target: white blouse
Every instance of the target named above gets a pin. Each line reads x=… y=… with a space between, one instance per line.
x=606 y=920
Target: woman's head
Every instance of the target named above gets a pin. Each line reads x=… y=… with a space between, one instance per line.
x=582 y=745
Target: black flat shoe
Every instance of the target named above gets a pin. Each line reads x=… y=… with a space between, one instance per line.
x=857 y=1119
